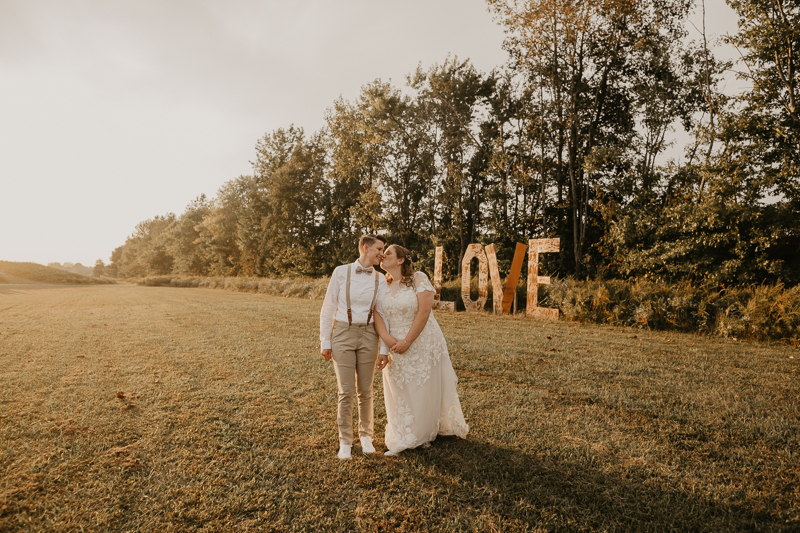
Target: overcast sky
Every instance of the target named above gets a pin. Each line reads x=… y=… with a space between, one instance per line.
x=114 y=111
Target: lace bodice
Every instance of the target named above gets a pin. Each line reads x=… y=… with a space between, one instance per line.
x=400 y=304
x=400 y=307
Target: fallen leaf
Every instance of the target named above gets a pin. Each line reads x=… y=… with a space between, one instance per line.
x=551 y=350
x=549 y=337
x=120 y=396
x=634 y=336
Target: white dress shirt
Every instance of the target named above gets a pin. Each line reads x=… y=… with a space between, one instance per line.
x=362 y=288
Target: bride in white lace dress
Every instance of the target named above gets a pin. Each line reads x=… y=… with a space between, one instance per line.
x=419 y=383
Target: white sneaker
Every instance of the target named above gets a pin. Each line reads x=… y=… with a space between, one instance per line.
x=344 y=451
x=366 y=445
x=390 y=453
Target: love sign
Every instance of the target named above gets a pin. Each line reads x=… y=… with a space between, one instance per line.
x=487 y=265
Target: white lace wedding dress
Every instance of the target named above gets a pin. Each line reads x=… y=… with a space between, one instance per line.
x=419 y=386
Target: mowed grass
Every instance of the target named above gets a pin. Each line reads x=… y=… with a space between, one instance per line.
x=129 y=408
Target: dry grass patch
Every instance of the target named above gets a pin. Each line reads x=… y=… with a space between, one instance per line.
x=129 y=408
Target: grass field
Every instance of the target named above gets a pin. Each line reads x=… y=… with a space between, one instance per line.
x=130 y=408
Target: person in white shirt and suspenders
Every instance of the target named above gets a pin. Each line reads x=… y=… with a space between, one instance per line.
x=348 y=337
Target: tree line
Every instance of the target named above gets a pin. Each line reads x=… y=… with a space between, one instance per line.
x=564 y=140
x=76 y=268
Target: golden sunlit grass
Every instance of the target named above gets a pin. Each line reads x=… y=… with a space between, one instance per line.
x=130 y=408
x=16 y=273
x=311 y=288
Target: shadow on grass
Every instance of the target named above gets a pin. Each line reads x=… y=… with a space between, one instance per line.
x=575 y=494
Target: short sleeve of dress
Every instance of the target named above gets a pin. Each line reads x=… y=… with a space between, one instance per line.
x=422 y=283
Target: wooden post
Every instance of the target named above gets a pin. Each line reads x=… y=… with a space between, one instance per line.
x=437 y=274
x=475 y=306
x=537 y=246
x=437 y=284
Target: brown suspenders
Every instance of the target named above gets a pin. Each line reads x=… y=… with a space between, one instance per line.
x=374 y=297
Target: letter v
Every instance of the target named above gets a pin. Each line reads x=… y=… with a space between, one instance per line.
x=503 y=305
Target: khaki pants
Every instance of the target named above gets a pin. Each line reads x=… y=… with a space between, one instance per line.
x=354 y=349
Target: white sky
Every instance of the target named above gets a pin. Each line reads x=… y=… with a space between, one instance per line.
x=112 y=112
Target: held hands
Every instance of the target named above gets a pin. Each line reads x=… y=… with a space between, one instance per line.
x=400 y=346
x=326 y=354
x=397 y=346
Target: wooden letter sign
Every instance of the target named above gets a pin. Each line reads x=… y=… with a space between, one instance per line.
x=502 y=304
x=513 y=277
x=475 y=306
x=536 y=247
x=437 y=284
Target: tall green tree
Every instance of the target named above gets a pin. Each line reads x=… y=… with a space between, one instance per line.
x=99 y=268
x=356 y=162
x=145 y=251
x=453 y=100
x=764 y=133
x=184 y=242
x=297 y=200
x=731 y=215
x=219 y=230
x=594 y=65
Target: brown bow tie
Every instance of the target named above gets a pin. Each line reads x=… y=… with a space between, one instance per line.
x=360 y=269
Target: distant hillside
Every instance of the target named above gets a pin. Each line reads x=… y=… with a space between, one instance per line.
x=11 y=272
x=76 y=268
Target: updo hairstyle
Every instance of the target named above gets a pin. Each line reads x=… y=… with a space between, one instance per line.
x=406 y=268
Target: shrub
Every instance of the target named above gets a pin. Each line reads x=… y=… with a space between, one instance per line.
x=756 y=312
x=306 y=288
